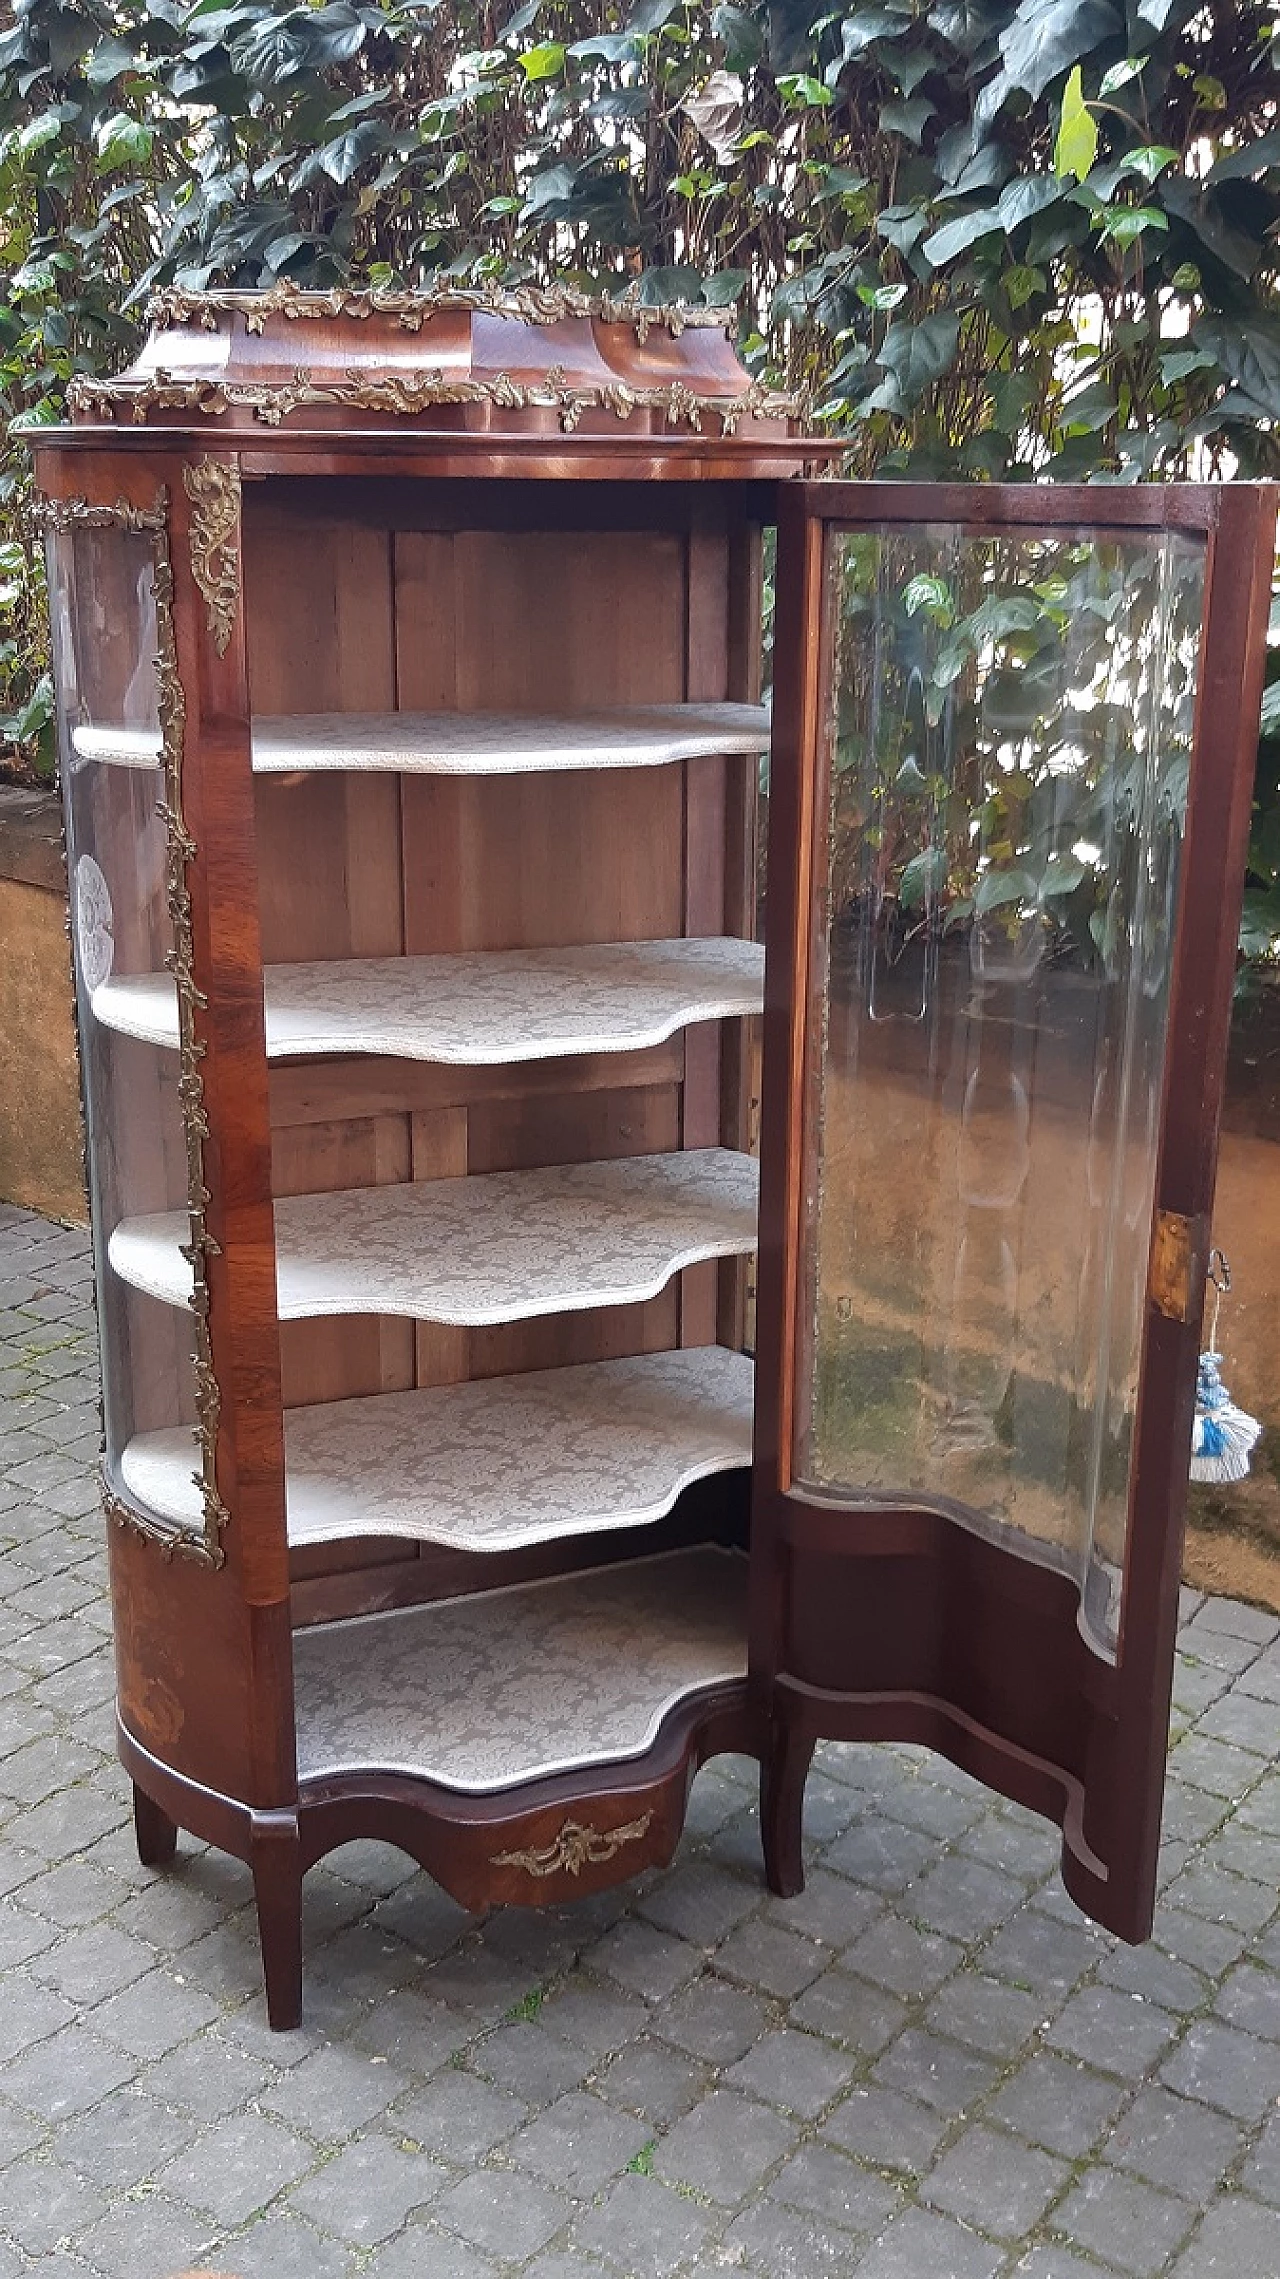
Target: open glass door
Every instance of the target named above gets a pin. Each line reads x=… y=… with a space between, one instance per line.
x=1012 y=765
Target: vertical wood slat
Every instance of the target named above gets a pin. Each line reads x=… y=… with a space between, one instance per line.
x=705 y=790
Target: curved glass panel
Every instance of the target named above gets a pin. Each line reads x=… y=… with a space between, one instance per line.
x=103 y=590
x=1009 y=735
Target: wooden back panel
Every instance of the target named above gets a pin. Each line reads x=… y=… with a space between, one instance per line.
x=364 y=603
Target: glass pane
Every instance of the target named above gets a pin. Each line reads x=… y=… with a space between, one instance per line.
x=102 y=584
x=1008 y=743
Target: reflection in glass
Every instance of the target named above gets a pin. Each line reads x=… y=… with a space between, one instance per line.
x=102 y=585
x=1008 y=742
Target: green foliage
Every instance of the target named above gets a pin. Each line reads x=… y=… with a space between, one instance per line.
x=992 y=238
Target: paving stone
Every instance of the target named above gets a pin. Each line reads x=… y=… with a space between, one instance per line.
x=1060 y=2104
x=724 y=2147
x=67 y=2074
x=530 y=2062
x=647 y=1961
x=989 y=2179
x=644 y=2228
x=998 y=2019
x=1224 y=2067
x=648 y=2078
x=237 y=2168
x=1055 y=2262
x=19 y=2132
x=937 y=2072
x=850 y=2010
x=506 y=2215
x=920 y=2245
x=829 y=1909
x=962 y=1898
x=579 y=2143
x=1208 y=1947
x=44 y=2204
x=335 y=2091
x=591 y=2015
x=148 y=2238
x=30 y=2013
x=882 y=1853
x=1157 y=1977
x=424 y=2252
x=699 y=1902
x=840 y=2191
x=410 y=2032
x=778 y=1961
x=711 y=2020
x=207 y=2077
x=1234 y=1620
x=793 y=2070
x=1040 y=1954
x=122 y=2139
x=1125 y=2221
x=1175 y=2143
x=281 y=2246
x=888 y=2130
x=1250 y=1999
x=1237 y=2240
x=1224 y=1898
x=783 y=2243
x=368 y=2189
x=1117 y=2033
x=1261 y=2172
x=909 y=1961
x=456 y=2116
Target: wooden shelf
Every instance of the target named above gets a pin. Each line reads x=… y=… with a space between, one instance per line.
x=468 y=743
x=482 y=1693
x=475 y=1010
x=502 y=1247
x=495 y=1465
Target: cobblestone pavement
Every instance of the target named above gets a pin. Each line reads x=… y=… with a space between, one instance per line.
x=928 y=2067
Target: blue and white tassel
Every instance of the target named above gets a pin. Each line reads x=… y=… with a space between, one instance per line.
x=1222 y=1436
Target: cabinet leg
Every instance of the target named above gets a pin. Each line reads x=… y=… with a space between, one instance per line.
x=277 y=1890
x=782 y=1783
x=156 y=1833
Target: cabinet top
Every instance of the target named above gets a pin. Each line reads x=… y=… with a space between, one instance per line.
x=547 y=368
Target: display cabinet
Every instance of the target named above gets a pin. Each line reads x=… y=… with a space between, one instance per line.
x=409 y=658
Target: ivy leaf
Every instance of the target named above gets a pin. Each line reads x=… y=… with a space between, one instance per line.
x=923 y=876
x=929 y=593
x=739 y=35
x=865 y=25
x=955 y=237
x=913 y=357
x=1151 y=159
x=1025 y=197
x=996 y=888
x=1077 y=144
x=1062 y=875
x=1125 y=224
x=908 y=119
x=122 y=141
x=1120 y=74
x=1047 y=36
x=543 y=62
x=345 y=156
x=1253 y=158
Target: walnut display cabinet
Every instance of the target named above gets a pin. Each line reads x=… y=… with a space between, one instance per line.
x=409 y=670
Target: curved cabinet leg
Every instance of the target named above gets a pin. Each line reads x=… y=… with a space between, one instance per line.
x=156 y=1833
x=276 y=1860
x=782 y=1782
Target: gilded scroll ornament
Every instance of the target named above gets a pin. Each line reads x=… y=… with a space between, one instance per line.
x=575 y=1848
x=67 y=515
x=533 y=304
x=407 y=394
x=213 y=487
